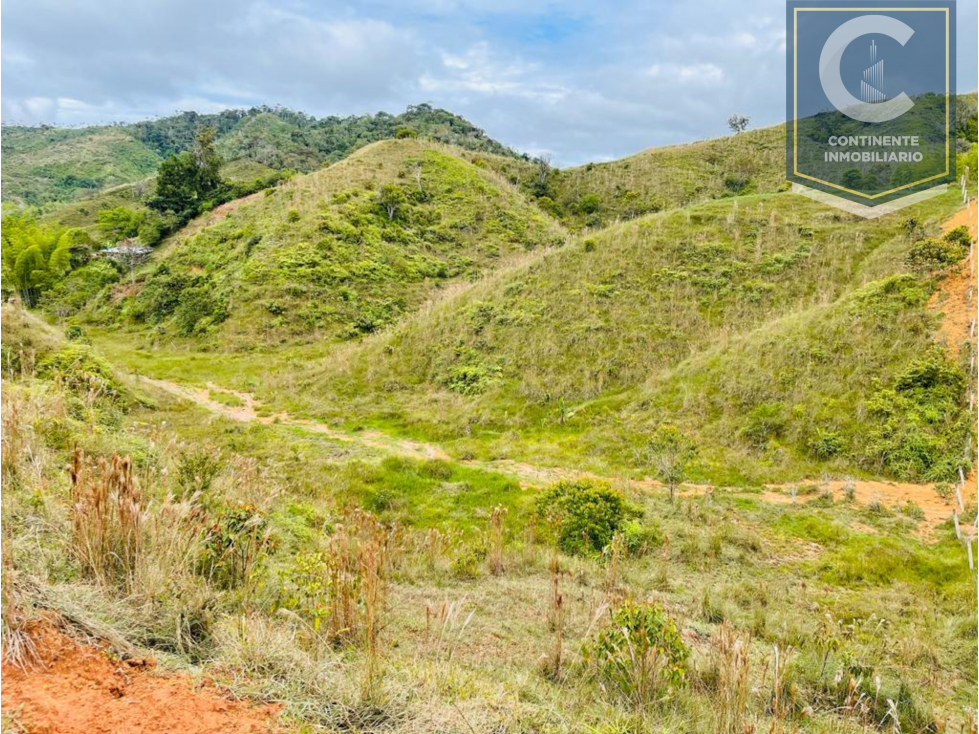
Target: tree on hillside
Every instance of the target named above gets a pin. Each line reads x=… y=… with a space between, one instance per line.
x=186 y=180
x=738 y=123
x=392 y=199
x=542 y=174
x=669 y=453
x=118 y=223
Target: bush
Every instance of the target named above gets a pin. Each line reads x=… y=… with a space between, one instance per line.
x=641 y=653
x=304 y=588
x=825 y=444
x=80 y=371
x=584 y=515
x=196 y=471
x=933 y=255
x=920 y=424
x=764 y=422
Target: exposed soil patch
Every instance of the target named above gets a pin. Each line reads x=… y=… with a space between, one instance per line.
x=958 y=311
x=80 y=689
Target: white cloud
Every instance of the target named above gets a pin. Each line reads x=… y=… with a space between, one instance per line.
x=694 y=73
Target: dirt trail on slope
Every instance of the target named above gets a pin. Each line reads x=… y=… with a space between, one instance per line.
x=936 y=509
x=250 y=410
x=959 y=313
x=73 y=688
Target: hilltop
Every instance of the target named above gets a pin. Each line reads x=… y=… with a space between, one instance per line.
x=47 y=165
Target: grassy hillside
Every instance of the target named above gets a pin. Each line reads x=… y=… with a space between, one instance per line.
x=597 y=194
x=46 y=166
x=338 y=253
x=541 y=360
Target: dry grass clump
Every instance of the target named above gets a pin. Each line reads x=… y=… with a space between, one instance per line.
x=497 y=537
x=555 y=619
x=18 y=649
x=357 y=558
x=106 y=515
x=12 y=438
x=732 y=665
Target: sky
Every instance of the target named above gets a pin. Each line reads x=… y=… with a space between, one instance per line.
x=579 y=81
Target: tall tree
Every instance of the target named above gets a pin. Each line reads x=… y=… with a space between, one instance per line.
x=186 y=180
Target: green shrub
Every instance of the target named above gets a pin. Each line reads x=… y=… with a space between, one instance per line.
x=304 y=588
x=470 y=379
x=583 y=514
x=825 y=444
x=764 y=422
x=919 y=424
x=933 y=255
x=640 y=654
x=80 y=371
x=196 y=471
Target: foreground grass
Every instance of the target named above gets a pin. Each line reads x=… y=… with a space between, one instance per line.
x=851 y=597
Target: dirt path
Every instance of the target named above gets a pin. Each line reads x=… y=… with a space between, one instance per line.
x=247 y=409
x=956 y=299
x=73 y=688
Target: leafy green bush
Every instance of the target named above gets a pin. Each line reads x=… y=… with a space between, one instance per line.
x=935 y=255
x=640 y=653
x=825 y=444
x=583 y=514
x=80 y=371
x=470 y=379
x=919 y=425
x=304 y=588
x=196 y=471
x=81 y=285
x=765 y=422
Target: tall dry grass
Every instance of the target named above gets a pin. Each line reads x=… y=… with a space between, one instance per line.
x=556 y=614
x=782 y=700
x=12 y=439
x=732 y=666
x=497 y=538
x=18 y=648
x=358 y=562
x=106 y=516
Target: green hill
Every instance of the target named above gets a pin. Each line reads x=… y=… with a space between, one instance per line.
x=576 y=354
x=46 y=165
x=338 y=253
x=657 y=179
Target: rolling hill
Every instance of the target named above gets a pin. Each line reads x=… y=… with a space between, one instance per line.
x=338 y=253
x=372 y=447
x=45 y=166
x=582 y=351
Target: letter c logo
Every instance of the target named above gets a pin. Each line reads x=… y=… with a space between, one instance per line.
x=829 y=68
